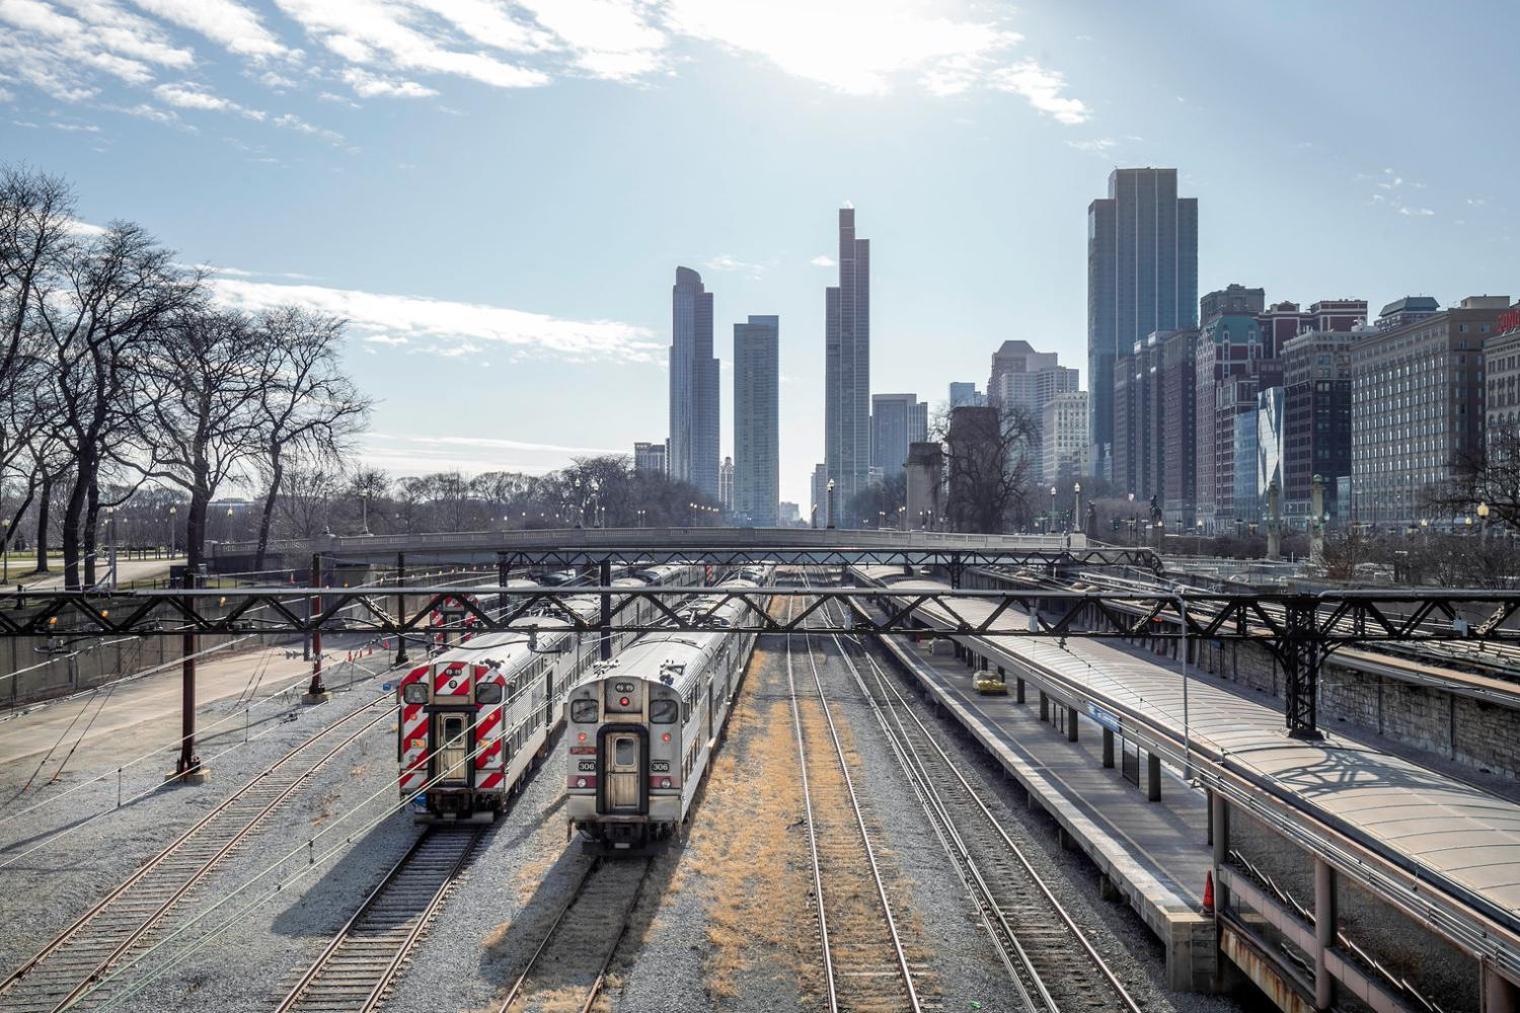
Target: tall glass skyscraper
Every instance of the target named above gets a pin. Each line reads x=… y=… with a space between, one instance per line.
x=1142 y=277
x=694 y=396
x=847 y=371
x=757 y=421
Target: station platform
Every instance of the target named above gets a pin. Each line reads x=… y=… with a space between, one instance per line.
x=1155 y=855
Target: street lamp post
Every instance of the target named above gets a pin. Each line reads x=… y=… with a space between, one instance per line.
x=1050 y=525
x=831 y=504
x=5 y=548
x=1076 y=508
x=1483 y=520
x=1131 y=517
x=902 y=518
x=1198 y=540
x=173 y=535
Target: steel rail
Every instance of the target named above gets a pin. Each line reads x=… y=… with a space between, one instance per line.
x=152 y=918
x=369 y=993
x=897 y=705
x=520 y=985
x=899 y=954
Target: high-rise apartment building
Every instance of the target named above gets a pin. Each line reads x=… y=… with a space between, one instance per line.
x=896 y=421
x=1317 y=405
x=1501 y=372
x=847 y=368
x=1063 y=437
x=1271 y=442
x=1235 y=361
x=757 y=420
x=694 y=394
x=649 y=458
x=1142 y=277
x=726 y=485
x=965 y=395
x=1417 y=405
x=1140 y=438
x=1176 y=429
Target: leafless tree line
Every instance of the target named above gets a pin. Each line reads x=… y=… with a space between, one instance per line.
x=118 y=371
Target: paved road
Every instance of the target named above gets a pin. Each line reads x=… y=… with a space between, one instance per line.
x=126 y=570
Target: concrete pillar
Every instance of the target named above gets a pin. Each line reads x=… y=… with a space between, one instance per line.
x=1152 y=777
x=1044 y=706
x=1219 y=821
x=1071 y=724
x=1018 y=690
x=1108 y=748
x=1324 y=932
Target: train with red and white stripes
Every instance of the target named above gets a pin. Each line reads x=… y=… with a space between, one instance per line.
x=477 y=717
x=641 y=729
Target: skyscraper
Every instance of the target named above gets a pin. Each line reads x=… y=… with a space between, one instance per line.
x=896 y=421
x=757 y=420
x=726 y=485
x=649 y=457
x=694 y=395
x=1142 y=277
x=847 y=369
x=1022 y=377
x=965 y=395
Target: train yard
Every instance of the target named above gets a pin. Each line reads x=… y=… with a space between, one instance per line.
x=305 y=887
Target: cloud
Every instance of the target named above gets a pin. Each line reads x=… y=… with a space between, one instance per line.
x=1042 y=88
x=824 y=260
x=193 y=96
x=610 y=39
x=230 y=24
x=446 y=324
x=1096 y=146
x=370 y=31
x=290 y=121
x=410 y=454
x=724 y=262
x=7 y=96
x=368 y=85
x=83 y=128
x=1416 y=212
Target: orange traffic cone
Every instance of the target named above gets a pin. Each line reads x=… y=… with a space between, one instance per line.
x=1208 y=892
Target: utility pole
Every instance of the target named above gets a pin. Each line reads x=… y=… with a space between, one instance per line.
x=188 y=770
x=401 y=658
x=316 y=692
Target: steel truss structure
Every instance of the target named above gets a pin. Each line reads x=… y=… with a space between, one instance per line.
x=1300 y=630
x=952 y=560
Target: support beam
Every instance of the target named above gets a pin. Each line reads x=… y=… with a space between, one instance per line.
x=606 y=623
x=1301 y=652
x=1324 y=933
x=1044 y=706
x=1018 y=689
x=1153 y=777
x=1108 y=748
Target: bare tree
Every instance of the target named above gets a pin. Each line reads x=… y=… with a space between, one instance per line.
x=368 y=485
x=989 y=467
x=100 y=315
x=201 y=408
x=309 y=405
x=35 y=214
x=311 y=485
x=1488 y=473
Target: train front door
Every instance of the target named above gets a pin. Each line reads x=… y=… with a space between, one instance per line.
x=623 y=769
x=451 y=747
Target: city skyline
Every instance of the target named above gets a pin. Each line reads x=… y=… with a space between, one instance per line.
x=296 y=174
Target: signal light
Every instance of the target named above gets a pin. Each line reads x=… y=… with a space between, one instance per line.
x=622 y=701
x=665 y=737
x=581 y=737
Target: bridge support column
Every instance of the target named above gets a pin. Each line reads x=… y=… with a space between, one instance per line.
x=1300 y=655
x=316 y=692
x=1071 y=724
x=1044 y=706
x=1324 y=932
x=1152 y=777
x=401 y=657
x=503 y=569
x=1018 y=689
x=606 y=624
x=1108 y=748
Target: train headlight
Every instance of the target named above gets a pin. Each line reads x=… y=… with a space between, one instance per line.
x=414 y=692
x=580 y=782
x=664 y=782
x=664 y=736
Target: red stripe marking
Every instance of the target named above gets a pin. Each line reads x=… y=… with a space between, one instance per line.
x=491 y=781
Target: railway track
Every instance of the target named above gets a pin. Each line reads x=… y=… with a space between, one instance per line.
x=577 y=945
x=66 y=973
x=354 y=973
x=1053 y=965
x=865 y=964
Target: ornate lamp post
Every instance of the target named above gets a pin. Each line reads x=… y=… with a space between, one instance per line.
x=1131 y=517
x=1076 y=507
x=5 y=548
x=172 y=534
x=1050 y=525
x=1483 y=520
x=831 y=503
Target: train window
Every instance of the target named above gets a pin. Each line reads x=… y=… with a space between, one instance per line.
x=488 y=692
x=583 y=711
x=663 y=712
x=414 y=692
x=625 y=752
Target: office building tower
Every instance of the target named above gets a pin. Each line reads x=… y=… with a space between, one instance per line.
x=896 y=421
x=1317 y=406
x=965 y=395
x=1501 y=371
x=819 y=514
x=1235 y=361
x=1139 y=430
x=1406 y=311
x=649 y=458
x=1417 y=405
x=1234 y=299
x=757 y=420
x=694 y=395
x=1142 y=277
x=847 y=369
x=1063 y=437
x=1022 y=377
x=790 y=515
x=1271 y=442
x=726 y=485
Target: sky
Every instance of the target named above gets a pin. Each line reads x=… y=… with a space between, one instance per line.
x=496 y=193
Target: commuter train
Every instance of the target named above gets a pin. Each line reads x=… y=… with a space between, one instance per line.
x=476 y=718
x=642 y=727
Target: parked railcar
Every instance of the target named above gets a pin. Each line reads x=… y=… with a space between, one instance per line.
x=477 y=717
x=641 y=728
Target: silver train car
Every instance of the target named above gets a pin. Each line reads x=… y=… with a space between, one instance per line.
x=641 y=729
x=477 y=717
